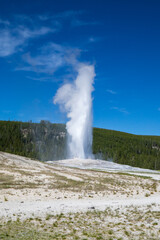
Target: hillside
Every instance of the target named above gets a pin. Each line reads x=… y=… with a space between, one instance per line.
x=124 y=148
x=47 y=141
x=43 y=141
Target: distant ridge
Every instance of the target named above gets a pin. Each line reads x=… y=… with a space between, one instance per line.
x=47 y=141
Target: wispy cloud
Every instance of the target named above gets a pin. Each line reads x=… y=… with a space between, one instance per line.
x=46 y=62
x=94 y=39
x=68 y=14
x=122 y=110
x=26 y=33
x=111 y=91
x=40 y=79
x=16 y=34
x=13 y=39
x=61 y=15
x=71 y=15
x=159 y=109
x=8 y=43
x=48 y=78
x=50 y=58
x=58 y=60
x=4 y=22
x=78 y=22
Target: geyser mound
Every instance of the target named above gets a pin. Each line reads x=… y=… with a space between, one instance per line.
x=76 y=100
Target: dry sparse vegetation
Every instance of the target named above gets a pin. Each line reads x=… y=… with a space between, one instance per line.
x=24 y=181
x=128 y=223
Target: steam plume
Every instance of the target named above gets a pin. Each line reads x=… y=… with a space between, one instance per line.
x=76 y=100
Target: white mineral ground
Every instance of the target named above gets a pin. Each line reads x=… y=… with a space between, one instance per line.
x=31 y=188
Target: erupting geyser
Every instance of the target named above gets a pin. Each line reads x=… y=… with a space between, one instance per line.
x=76 y=100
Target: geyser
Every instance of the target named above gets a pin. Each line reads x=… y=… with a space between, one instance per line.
x=76 y=100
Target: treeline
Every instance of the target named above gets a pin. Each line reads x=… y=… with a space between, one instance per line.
x=135 y=150
x=47 y=141
x=43 y=141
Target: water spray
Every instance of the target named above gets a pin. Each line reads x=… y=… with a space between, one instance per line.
x=76 y=100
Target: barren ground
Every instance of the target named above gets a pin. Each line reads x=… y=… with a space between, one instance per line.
x=52 y=201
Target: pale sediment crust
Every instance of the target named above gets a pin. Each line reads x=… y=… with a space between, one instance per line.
x=40 y=188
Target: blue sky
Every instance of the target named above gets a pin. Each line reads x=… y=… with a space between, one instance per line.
x=41 y=40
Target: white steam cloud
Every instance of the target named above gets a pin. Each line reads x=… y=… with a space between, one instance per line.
x=76 y=99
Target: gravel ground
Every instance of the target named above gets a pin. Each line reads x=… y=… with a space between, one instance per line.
x=81 y=189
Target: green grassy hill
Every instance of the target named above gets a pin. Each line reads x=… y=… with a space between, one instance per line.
x=47 y=141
